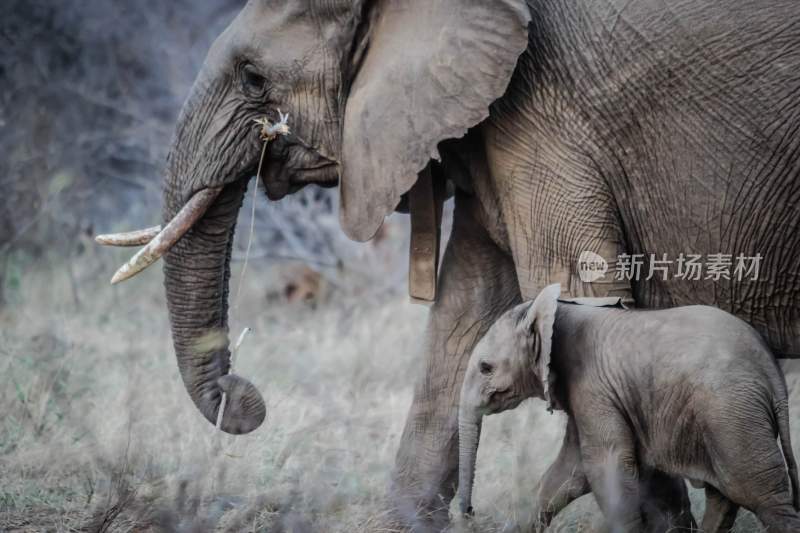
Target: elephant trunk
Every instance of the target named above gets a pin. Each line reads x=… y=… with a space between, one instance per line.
x=469 y=432
x=196 y=276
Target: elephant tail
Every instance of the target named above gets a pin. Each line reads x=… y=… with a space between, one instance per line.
x=781 y=409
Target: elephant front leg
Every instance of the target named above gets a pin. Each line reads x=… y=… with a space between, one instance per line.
x=720 y=512
x=477 y=284
x=563 y=482
x=666 y=505
x=608 y=453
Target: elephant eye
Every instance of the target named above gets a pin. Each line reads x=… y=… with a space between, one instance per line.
x=253 y=83
x=485 y=368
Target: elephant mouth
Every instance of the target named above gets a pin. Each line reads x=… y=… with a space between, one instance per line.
x=500 y=401
x=292 y=179
x=292 y=164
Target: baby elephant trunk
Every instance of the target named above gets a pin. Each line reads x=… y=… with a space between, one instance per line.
x=469 y=433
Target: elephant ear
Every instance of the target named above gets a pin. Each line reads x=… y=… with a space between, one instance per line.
x=538 y=321
x=430 y=69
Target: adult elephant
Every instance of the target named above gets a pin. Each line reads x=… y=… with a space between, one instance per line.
x=611 y=127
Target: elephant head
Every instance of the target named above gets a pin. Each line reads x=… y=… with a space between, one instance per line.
x=510 y=364
x=371 y=86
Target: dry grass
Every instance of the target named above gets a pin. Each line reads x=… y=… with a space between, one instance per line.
x=99 y=435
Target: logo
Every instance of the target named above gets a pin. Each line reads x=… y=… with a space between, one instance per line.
x=718 y=267
x=591 y=266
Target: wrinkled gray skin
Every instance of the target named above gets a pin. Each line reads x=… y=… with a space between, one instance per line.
x=692 y=392
x=610 y=126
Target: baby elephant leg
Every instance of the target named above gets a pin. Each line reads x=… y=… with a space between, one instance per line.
x=780 y=518
x=665 y=503
x=563 y=482
x=609 y=458
x=753 y=475
x=720 y=512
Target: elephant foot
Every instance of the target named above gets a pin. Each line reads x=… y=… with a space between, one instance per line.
x=541 y=522
x=417 y=515
x=425 y=476
x=422 y=490
x=667 y=506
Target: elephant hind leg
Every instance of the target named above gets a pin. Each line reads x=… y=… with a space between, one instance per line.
x=781 y=518
x=748 y=465
x=720 y=512
x=756 y=479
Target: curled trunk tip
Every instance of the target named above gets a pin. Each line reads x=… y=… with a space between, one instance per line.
x=245 y=409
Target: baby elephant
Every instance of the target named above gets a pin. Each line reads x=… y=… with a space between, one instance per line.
x=690 y=392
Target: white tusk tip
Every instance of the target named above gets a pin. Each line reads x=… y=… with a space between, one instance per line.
x=124 y=273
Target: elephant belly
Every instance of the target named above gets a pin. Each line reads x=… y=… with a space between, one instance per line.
x=686 y=459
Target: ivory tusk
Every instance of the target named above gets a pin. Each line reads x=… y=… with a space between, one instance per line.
x=137 y=237
x=167 y=237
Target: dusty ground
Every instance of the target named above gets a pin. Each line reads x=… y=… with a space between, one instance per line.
x=97 y=433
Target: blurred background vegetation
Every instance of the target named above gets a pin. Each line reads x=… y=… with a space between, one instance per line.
x=90 y=90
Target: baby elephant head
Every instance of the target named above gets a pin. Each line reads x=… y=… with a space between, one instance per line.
x=511 y=363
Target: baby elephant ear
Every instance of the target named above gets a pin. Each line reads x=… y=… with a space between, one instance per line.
x=538 y=320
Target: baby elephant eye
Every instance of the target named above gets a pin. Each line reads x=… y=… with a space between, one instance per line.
x=485 y=368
